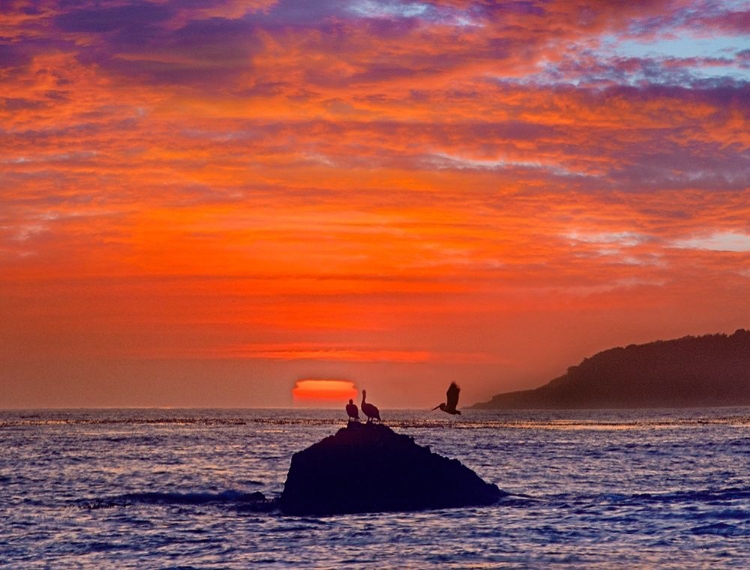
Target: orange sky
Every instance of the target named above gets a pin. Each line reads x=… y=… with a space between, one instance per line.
x=201 y=205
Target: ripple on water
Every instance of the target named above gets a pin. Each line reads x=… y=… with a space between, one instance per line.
x=166 y=488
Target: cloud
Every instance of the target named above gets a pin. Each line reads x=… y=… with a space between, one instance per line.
x=370 y=182
x=130 y=19
x=718 y=241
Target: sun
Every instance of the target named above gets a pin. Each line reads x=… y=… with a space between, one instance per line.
x=323 y=392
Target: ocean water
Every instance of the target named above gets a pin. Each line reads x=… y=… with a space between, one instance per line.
x=172 y=489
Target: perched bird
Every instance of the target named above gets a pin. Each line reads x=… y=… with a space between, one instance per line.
x=369 y=410
x=351 y=409
x=452 y=400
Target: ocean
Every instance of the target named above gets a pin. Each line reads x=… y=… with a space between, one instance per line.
x=172 y=488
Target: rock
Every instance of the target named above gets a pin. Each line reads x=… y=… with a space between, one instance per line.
x=370 y=468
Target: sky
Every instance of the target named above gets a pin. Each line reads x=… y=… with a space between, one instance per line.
x=204 y=202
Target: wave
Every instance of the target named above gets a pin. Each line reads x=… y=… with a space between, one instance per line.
x=255 y=501
x=722 y=503
x=702 y=496
x=722 y=529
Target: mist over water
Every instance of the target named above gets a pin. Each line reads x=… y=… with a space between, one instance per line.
x=168 y=488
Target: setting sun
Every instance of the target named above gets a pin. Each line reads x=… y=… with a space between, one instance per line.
x=323 y=392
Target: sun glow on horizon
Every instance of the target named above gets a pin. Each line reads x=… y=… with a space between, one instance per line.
x=323 y=392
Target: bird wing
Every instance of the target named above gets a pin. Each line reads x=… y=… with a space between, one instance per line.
x=452 y=395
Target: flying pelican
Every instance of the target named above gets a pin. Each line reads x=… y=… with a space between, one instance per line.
x=452 y=400
x=368 y=409
x=351 y=409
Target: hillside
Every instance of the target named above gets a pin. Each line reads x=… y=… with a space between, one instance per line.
x=710 y=370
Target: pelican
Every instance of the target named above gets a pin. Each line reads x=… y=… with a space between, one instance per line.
x=351 y=409
x=368 y=409
x=452 y=400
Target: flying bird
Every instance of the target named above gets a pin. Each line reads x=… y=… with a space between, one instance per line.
x=369 y=410
x=452 y=400
x=352 y=411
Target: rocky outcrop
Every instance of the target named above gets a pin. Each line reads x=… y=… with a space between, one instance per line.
x=370 y=468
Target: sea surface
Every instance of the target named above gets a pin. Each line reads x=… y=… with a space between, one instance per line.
x=143 y=488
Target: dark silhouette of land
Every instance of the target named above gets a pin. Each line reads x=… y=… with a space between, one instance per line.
x=451 y=400
x=710 y=370
x=368 y=468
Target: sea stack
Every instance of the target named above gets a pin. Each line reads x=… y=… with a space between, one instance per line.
x=370 y=468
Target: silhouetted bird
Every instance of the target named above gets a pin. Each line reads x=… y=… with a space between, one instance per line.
x=369 y=410
x=351 y=409
x=452 y=402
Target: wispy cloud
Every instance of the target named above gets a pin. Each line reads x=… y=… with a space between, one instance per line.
x=719 y=241
x=350 y=179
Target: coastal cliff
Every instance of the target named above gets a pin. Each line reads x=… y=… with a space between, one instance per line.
x=710 y=370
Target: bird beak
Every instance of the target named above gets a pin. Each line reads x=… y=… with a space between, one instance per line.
x=435 y=408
